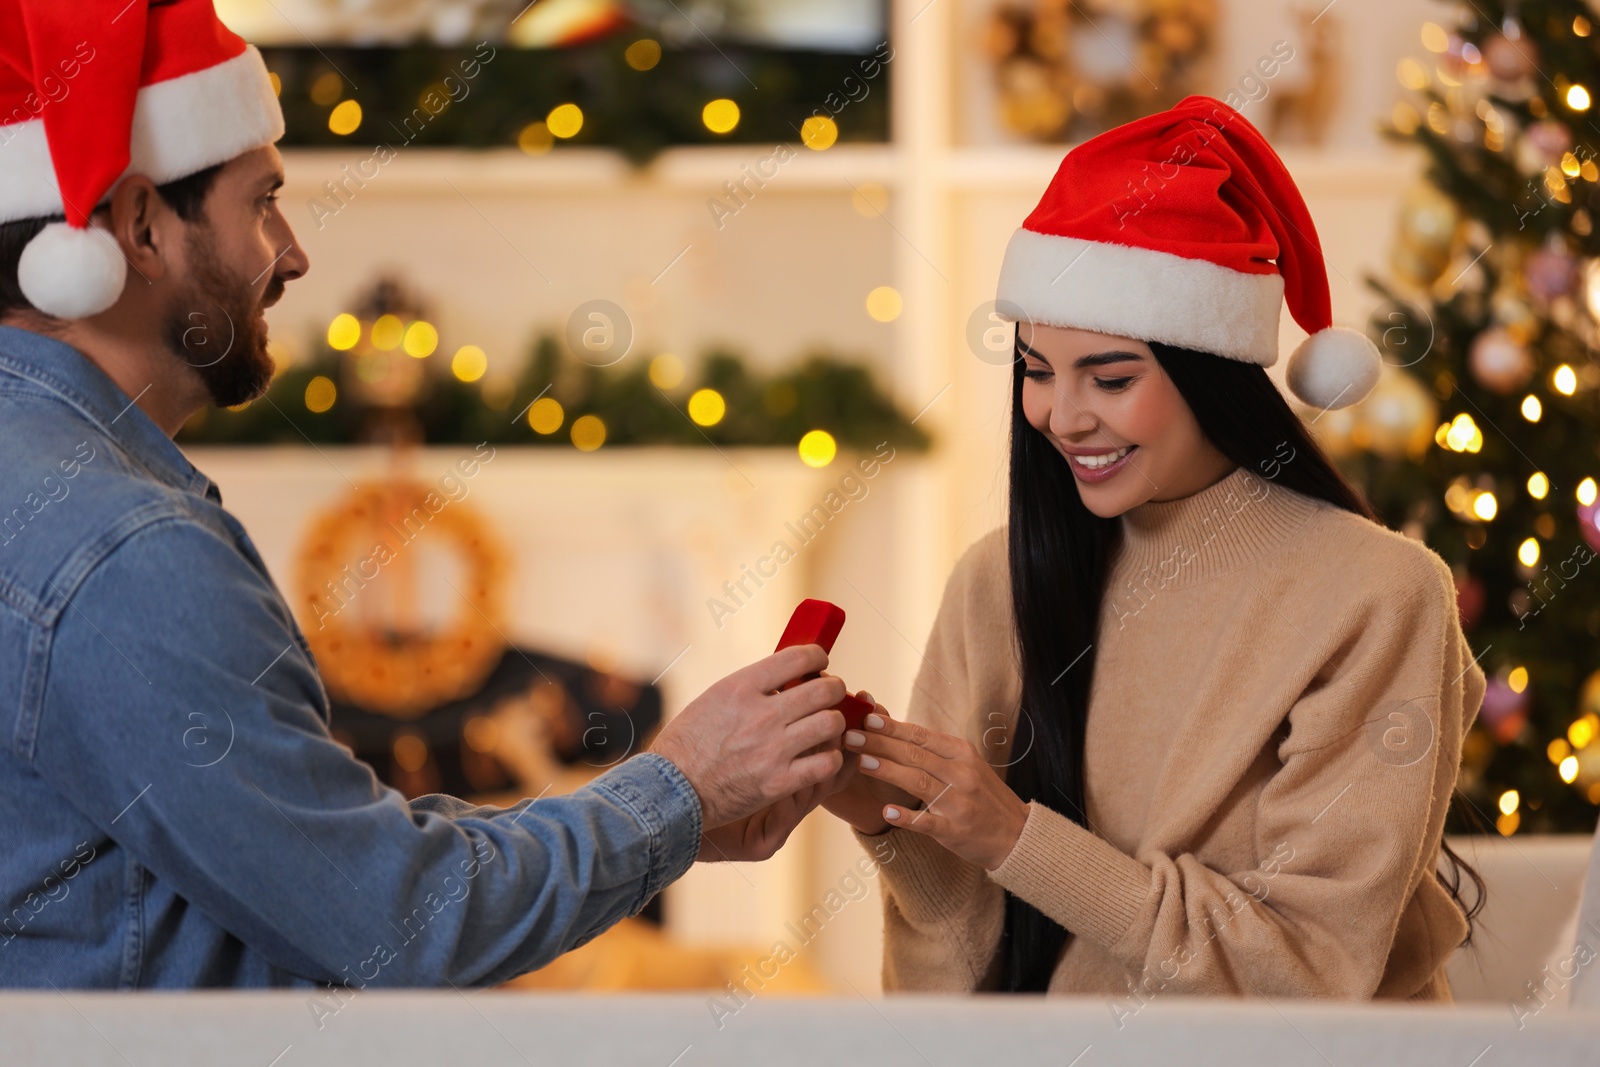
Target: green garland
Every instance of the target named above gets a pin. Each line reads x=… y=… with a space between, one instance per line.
x=822 y=392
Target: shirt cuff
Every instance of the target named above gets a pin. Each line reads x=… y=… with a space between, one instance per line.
x=664 y=802
x=1077 y=878
x=929 y=881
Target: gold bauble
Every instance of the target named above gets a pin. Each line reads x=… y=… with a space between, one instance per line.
x=1428 y=222
x=1400 y=415
x=1334 y=428
x=1589 y=696
x=1588 y=765
x=1416 y=269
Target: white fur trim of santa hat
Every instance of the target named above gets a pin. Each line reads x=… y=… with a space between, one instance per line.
x=1141 y=293
x=1157 y=296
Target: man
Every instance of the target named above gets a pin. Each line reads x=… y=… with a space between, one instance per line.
x=134 y=610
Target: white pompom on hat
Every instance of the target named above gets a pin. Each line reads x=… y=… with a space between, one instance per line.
x=93 y=90
x=1184 y=227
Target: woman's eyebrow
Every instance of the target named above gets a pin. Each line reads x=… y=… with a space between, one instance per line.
x=1095 y=359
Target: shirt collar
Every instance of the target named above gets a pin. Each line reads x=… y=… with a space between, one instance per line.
x=74 y=377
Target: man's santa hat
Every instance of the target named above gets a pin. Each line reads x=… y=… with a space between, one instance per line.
x=1184 y=227
x=92 y=90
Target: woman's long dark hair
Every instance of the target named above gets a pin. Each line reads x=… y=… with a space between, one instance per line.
x=1060 y=552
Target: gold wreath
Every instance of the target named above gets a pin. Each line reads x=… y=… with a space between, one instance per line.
x=398 y=671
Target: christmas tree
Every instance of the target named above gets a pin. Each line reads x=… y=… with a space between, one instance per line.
x=1481 y=436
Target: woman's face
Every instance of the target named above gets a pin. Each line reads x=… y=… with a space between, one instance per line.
x=1093 y=396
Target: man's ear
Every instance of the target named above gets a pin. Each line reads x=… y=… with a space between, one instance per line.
x=143 y=226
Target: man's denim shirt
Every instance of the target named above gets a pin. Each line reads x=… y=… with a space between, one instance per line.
x=176 y=813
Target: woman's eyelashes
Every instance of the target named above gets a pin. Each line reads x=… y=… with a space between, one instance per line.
x=1109 y=385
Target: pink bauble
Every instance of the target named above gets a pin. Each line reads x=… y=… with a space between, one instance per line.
x=1549 y=273
x=1550 y=137
x=1499 y=362
x=1504 y=710
x=1508 y=60
x=1589 y=524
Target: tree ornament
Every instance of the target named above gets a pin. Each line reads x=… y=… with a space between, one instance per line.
x=1509 y=60
x=1499 y=362
x=1470 y=599
x=1429 y=221
x=1589 y=696
x=1550 y=272
x=1400 y=415
x=1589 y=527
x=1550 y=139
x=1504 y=710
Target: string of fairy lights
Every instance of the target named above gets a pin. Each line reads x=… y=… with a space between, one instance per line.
x=563 y=122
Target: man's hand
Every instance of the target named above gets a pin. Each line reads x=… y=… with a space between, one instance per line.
x=744 y=746
x=759 y=836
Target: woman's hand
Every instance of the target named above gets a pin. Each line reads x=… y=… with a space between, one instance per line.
x=966 y=806
x=860 y=800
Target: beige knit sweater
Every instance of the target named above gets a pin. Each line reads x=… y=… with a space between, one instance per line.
x=1276 y=713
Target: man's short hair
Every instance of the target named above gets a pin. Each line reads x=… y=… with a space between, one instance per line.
x=186 y=196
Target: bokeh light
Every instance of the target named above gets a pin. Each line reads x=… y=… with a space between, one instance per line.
x=421 y=339
x=720 y=116
x=343 y=332
x=588 y=433
x=469 y=363
x=565 y=120
x=818 y=448
x=546 y=415
x=320 y=394
x=706 y=407
x=345 y=119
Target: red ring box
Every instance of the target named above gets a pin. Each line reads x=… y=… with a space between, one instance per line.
x=817 y=622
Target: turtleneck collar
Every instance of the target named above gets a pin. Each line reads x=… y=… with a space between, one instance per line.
x=1169 y=543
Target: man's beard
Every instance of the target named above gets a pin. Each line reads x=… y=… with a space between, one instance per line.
x=216 y=327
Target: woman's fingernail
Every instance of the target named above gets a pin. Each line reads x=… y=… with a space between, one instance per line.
x=875 y=721
x=891 y=813
x=869 y=762
x=854 y=737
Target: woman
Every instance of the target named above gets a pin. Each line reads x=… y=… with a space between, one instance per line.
x=1191 y=722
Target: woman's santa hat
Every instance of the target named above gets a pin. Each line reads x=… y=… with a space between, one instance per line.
x=1184 y=227
x=92 y=90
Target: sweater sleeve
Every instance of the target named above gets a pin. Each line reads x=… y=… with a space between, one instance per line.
x=1346 y=828
x=942 y=916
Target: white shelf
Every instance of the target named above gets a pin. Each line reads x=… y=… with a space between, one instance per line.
x=589 y=170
